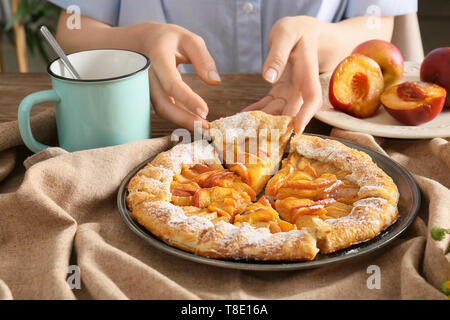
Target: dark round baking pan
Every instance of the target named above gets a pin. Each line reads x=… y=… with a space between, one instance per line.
x=408 y=207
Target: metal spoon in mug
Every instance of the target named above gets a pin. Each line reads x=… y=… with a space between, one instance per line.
x=59 y=51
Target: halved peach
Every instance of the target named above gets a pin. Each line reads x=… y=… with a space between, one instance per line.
x=414 y=102
x=388 y=57
x=356 y=86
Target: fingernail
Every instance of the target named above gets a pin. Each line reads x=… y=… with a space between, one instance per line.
x=271 y=75
x=202 y=114
x=302 y=128
x=214 y=76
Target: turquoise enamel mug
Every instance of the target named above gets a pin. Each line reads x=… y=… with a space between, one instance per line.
x=110 y=105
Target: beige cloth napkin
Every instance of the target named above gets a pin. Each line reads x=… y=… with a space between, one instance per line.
x=64 y=213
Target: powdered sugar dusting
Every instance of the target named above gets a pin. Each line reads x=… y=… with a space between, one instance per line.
x=316 y=207
x=371 y=202
x=174 y=215
x=189 y=153
x=333 y=186
x=151 y=171
x=235 y=125
x=154 y=185
x=364 y=172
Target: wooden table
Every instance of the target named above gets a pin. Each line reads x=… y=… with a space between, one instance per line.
x=235 y=92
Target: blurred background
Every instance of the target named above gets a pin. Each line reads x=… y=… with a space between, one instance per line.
x=23 y=48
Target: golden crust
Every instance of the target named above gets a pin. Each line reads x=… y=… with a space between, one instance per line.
x=169 y=223
x=367 y=219
x=222 y=240
x=246 y=242
x=202 y=232
x=149 y=184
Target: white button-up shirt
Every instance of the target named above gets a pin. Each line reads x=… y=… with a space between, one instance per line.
x=235 y=31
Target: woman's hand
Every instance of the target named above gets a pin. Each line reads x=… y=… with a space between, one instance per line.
x=167 y=46
x=292 y=67
x=302 y=46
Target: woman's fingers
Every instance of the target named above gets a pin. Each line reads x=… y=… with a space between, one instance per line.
x=275 y=106
x=281 y=41
x=306 y=113
x=165 y=107
x=258 y=105
x=293 y=104
x=165 y=68
x=305 y=77
x=196 y=51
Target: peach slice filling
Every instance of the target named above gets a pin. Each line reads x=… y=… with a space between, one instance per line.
x=226 y=202
x=220 y=195
x=411 y=95
x=252 y=168
x=261 y=215
x=303 y=191
x=307 y=190
x=217 y=190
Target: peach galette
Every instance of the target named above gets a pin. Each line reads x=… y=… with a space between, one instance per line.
x=325 y=196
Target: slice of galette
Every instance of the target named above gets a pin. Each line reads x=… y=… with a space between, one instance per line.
x=252 y=144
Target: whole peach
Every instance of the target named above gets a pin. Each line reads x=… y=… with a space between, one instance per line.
x=435 y=68
x=388 y=57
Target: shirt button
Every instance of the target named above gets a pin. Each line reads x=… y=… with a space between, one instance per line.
x=248 y=7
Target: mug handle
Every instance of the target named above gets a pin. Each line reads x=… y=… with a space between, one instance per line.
x=23 y=117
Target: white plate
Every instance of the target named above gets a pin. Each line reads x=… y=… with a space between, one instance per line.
x=382 y=124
